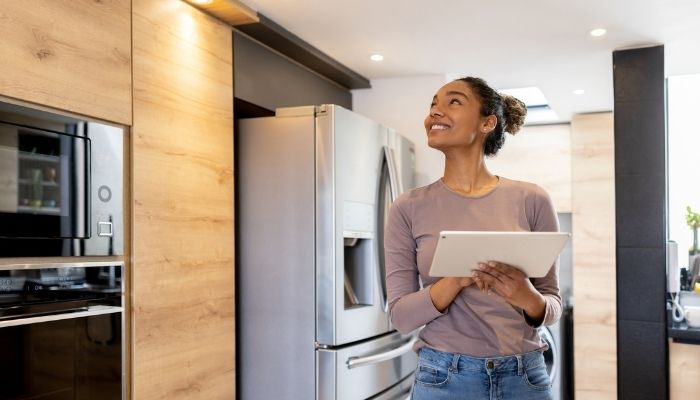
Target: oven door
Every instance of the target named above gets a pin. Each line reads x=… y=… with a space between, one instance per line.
x=44 y=183
x=63 y=356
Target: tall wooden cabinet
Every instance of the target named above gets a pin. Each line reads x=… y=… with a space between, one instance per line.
x=76 y=56
x=182 y=275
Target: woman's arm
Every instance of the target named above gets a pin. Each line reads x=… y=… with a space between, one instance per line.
x=444 y=291
x=515 y=288
x=412 y=307
x=539 y=298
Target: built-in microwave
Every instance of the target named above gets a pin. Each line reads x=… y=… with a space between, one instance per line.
x=61 y=185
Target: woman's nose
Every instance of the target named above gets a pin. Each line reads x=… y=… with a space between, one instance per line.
x=435 y=111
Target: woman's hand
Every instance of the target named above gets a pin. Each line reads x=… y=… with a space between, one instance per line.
x=444 y=291
x=511 y=284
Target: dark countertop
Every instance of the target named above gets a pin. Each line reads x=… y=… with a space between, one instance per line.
x=680 y=332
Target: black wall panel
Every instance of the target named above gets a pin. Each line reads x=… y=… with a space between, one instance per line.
x=640 y=203
x=267 y=79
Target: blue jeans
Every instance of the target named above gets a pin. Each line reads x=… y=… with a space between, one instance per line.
x=452 y=376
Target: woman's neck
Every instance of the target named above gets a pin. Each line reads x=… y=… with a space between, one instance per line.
x=468 y=174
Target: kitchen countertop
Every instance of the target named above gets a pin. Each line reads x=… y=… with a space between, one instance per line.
x=680 y=332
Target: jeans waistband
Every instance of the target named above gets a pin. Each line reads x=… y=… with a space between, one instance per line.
x=461 y=362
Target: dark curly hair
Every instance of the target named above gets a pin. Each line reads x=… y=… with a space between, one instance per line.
x=509 y=111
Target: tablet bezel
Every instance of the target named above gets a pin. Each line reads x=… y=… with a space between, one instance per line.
x=455 y=250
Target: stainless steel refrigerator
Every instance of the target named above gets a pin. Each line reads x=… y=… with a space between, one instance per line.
x=314 y=185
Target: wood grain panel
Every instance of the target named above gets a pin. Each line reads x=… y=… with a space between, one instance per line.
x=542 y=155
x=233 y=12
x=73 y=55
x=182 y=137
x=684 y=370
x=593 y=220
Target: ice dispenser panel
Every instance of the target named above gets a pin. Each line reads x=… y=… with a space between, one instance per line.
x=358 y=272
x=357 y=254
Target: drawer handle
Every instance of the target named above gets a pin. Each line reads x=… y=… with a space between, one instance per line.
x=90 y=312
x=356 y=362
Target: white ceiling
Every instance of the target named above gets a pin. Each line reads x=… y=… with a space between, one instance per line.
x=510 y=43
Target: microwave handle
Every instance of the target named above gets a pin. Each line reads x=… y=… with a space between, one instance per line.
x=89 y=312
x=88 y=187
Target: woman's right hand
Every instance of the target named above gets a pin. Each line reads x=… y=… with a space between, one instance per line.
x=444 y=291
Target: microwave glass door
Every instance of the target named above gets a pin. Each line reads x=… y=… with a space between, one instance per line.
x=44 y=183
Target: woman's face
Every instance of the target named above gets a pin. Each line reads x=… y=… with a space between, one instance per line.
x=454 y=119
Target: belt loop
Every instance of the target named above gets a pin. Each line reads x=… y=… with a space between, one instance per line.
x=520 y=365
x=455 y=363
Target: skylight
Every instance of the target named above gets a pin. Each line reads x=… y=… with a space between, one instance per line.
x=538 y=110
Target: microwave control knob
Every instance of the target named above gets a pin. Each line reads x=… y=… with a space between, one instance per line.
x=104 y=193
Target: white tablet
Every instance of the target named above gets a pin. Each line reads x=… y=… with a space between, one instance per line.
x=460 y=252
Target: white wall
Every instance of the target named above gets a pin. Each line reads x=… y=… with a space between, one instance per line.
x=402 y=104
x=683 y=159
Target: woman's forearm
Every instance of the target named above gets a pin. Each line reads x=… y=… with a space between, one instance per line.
x=535 y=308
x=444 y=291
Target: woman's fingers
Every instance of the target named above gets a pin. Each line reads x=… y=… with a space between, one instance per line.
x=501 y=278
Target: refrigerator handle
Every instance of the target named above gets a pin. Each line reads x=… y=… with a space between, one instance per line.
x=394 y=181
x=395 y=189
x=356 y=362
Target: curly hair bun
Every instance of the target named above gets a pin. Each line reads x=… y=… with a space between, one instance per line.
x=514 y=112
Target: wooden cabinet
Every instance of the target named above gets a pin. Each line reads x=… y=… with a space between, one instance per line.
x=542 y=155
x=594 y=277
x=72 y=55
x=182 y=188
x=684 y=370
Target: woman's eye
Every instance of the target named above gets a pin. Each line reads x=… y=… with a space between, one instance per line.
x=455 y=101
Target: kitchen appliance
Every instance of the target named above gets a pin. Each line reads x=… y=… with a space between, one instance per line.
x=61 y=185
x=559 y=336
x=314 y=185
x=61 y=330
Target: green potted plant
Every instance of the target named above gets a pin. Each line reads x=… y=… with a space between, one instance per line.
x=693 y=221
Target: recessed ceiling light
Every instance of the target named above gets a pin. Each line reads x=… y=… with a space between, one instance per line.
x=376 y=57
x=598 y=32
x=579 y=91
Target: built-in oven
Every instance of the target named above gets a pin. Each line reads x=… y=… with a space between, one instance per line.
x=61 y=331
x=61 y=183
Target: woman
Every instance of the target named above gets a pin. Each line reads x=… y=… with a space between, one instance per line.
x=480 y=337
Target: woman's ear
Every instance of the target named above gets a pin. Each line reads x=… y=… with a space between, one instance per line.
x=488 y=124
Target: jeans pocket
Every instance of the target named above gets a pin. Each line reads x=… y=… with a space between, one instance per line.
x=537 y=378
x=431 y=375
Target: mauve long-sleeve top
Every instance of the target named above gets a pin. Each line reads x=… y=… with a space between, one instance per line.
x=475 y=323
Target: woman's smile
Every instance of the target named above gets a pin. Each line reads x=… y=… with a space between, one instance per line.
x=438 y=127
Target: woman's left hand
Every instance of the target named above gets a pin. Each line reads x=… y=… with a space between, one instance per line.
x=511 y=284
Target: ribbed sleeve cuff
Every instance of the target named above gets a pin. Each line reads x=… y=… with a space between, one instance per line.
x=416 y=310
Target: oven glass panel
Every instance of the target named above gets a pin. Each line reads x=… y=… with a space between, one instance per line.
x=44 y=183
x=61 y=332
x=70 y=359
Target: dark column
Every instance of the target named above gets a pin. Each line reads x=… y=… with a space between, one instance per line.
x=640 y=204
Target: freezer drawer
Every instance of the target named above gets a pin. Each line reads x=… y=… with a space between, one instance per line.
x=400 y=391
x=366 y=369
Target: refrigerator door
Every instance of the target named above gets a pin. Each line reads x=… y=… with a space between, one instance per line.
x=275 y=253
x=349 y=155
x=365 y=370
